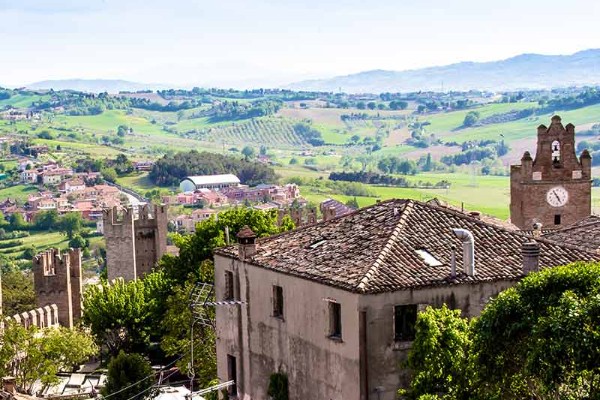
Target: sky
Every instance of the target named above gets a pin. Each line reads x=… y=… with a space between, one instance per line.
x=244 y=43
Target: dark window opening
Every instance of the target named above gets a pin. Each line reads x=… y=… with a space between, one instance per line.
x=405 y=318
x=228 y=285
x=232 y=375
x=278 y=301
x=335 y=320
x=557 y=219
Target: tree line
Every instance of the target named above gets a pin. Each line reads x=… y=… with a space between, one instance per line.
x=171 y=169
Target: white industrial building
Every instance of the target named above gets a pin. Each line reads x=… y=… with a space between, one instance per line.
x=192 y=183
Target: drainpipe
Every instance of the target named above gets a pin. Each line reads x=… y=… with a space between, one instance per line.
x=468 y=249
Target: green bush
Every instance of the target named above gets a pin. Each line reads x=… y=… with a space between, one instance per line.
x=278 y=386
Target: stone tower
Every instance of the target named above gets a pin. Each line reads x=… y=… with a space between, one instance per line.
x=57 y=280
x=555 y=188
x=133 y=246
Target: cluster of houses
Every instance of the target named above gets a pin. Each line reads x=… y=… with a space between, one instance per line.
x=47 y=174
x=73 y=195
x=65 y=191
x=20 y=115
x=213 y=191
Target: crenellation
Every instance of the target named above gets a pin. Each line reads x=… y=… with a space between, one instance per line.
x=134 y=246
x=57 y=283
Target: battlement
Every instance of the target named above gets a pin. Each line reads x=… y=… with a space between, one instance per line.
x=118 y=216
x=42 y=317
x=52 y=260
x=57 y=280
x=151 y=216
x=134 y=245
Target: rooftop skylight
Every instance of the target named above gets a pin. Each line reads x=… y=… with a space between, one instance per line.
x=428 y=258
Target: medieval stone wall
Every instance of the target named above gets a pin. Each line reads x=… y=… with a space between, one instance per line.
x=42 y=317
x=134 y=246
x=57 y=281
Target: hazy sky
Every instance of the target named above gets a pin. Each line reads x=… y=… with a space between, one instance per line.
x=247 y=42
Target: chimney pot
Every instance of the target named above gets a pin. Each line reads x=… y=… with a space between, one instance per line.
x=530 y=251
x=246 y=243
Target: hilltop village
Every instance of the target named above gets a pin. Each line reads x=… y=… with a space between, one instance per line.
x=222 y=275
x=304 y=291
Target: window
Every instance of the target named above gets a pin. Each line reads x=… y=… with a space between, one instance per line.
x=228 y=286
x=232 y=375
x=405 y=318
x=557 y=219
x=335 y=320
x=277 y=301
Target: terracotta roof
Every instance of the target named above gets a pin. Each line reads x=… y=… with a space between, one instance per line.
x=585 y=234
x=374 y=249
x=340 y=208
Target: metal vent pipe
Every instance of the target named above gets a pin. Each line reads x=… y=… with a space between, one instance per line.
x=468 y=249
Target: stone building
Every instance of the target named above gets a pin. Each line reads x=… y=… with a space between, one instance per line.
x=133 y=246
x=333 y=304
x=555 y=188
x=57 y=280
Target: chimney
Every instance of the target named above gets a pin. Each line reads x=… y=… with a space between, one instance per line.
x=531 y=256
x=246 y=243
x=537 y=230
x=475 y=214
x=9 y=384
x=468 y=249
x=329 y=213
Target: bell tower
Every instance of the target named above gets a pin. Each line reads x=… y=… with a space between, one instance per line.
x=555 y=188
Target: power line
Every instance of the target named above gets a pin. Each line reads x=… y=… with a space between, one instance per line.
x=143 y=379
x=150 y=388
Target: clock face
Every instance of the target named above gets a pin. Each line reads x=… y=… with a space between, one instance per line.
x=557 y=196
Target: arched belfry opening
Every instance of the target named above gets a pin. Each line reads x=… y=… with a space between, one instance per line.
x=556 y=153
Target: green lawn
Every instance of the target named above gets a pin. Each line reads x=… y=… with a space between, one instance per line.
x=139 y=183
x=41 y=241
x=22 y=101
x=523 y=128
x=18 y=192
x=445 y=122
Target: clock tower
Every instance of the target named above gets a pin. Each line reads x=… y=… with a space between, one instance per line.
x=555 y=188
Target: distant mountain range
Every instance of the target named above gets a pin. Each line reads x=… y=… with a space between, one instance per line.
x=95 y=85
x=526 y=71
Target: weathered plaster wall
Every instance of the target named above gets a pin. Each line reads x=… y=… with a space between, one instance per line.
x=384 y=354
x=318 y=367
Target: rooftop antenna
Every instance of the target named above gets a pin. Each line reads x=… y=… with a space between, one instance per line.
x=202 y=303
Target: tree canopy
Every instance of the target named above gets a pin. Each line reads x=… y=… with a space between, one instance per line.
x=210 y=234
x=537 y=340
x=30 y=355
x=171 y=169
x=124 y=315
x=130 y=377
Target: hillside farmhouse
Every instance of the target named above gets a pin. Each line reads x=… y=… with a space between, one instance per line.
x=333 y=304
